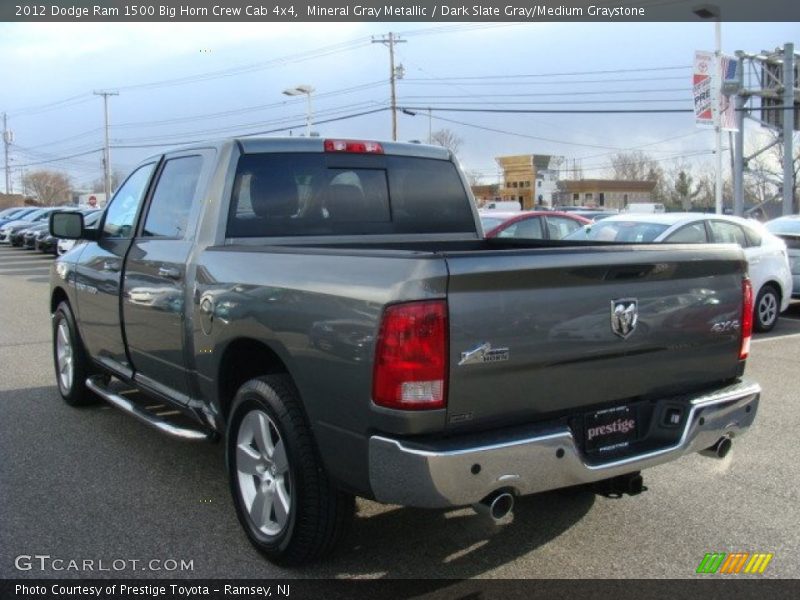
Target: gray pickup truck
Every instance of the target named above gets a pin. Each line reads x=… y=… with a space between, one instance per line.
x=331 y=310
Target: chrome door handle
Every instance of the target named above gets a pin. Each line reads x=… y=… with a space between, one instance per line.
x=169 y=273
x=112 y=266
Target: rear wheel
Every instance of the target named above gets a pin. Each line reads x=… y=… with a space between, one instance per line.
x=290 y=510
x=767 y=308
x=70 y=359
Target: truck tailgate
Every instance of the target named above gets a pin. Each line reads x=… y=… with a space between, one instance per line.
x=532 y=333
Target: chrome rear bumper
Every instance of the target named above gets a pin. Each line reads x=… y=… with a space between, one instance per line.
x=443 y=474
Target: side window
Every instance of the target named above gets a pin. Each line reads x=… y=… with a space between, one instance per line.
x=529 y=229
x=169 y=210
x=558 y=227
x=121 y=213
x=728 y=233
x=694 y=233
x=753 y=236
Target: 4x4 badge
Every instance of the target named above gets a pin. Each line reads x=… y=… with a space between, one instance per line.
x=624 y=316
x=483 y=354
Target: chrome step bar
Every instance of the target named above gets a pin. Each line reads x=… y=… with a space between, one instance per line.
x=184 y=433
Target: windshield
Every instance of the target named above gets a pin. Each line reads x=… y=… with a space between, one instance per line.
x=779 y=226
x=22 y=214
x=631 y=232
x=34 y=215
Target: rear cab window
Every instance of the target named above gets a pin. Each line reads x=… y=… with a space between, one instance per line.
x=306 y=193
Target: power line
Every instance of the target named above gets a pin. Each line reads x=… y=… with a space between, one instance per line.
x=541 y=94
x=265 y=132
x=555 y=111
x=523 y=135
x=560 y=74
x=59 y=159
x=515 y=82
x=228 y=128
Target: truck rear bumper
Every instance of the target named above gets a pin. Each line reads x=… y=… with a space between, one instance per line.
x=528 y=461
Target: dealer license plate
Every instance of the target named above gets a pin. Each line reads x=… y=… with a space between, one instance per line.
x=609 y=429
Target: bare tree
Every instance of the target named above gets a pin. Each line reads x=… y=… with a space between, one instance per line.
x=447 y=139
x=473 y=177
x=639 y=166
x=49 y=187
x=98 y=185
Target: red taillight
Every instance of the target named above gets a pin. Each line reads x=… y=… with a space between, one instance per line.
x=411 y=357
x=747 y=318
x=353 y=146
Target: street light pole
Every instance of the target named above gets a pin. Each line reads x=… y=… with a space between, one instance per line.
x=299 y=90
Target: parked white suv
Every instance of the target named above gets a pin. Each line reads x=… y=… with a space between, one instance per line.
x=767 y=258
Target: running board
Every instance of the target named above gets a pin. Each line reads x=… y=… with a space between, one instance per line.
x=163 y=425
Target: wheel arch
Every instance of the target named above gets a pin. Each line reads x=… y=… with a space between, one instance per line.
x=774 y=284
x=57 y=296
x=244 y=359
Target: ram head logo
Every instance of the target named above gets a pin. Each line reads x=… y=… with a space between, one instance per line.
x=624 y=316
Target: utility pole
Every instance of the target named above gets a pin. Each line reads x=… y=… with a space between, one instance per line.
x=394 y=73
x=788 y=128
x=6 y=143
x=430 y=127
x=715 y=100
x=106 y=147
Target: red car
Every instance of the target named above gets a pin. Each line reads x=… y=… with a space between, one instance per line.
x=531 y=224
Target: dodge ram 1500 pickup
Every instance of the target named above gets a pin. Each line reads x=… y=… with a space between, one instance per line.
x=331 y=310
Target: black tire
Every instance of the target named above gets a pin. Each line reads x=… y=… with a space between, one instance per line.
x=766 y=309
x=319 y=513
x=74 y=392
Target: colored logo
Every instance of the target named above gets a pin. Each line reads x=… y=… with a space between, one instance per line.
x=735 y=563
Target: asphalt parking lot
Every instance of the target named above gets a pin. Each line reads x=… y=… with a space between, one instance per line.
x=95 y=484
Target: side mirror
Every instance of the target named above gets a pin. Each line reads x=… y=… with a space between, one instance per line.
x=68 y=226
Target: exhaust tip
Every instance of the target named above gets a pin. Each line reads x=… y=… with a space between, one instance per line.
x=720 y=449
x=501 y=506
x=497 y=506
x=723 y=447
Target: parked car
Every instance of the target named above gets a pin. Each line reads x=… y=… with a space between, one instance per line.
x=766 y=254
x=530 y=225
x=29 y=235
x=503 y=205
x=10 y=211
x=305 y=301
x=594 y=215
x=16 y=214
x=788 y=229
x=8 y=232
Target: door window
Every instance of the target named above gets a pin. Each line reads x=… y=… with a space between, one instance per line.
x=728 y=233
x=168 y=215
x=529 y=229
x=558 y=227
x=694 y=233
x=121 y=213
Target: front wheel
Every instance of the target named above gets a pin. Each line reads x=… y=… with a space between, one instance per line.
x=290 y=510
x=70 y=359
x=767 y=308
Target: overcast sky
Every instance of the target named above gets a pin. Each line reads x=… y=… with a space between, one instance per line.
x=45 y=64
